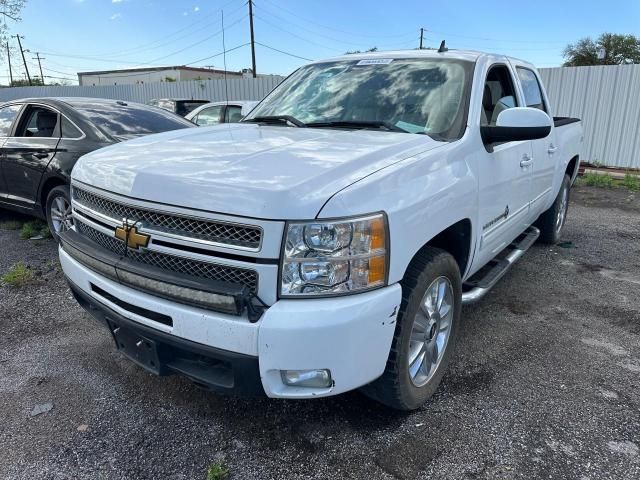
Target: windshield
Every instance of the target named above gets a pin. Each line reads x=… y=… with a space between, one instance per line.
x=131 y=119
x=416 y=95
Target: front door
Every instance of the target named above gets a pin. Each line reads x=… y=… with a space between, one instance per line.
x=504 y=172
x=28 y=153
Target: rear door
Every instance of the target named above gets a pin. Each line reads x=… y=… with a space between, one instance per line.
x=8 y=116
x=28 y=153
x=545 y=156
x=504 y=170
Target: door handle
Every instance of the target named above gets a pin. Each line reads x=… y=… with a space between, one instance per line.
x=526 y=161
x=40 y=154
x=552 y=149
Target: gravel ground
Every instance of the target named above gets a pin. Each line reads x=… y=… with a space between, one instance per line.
x=545 y=384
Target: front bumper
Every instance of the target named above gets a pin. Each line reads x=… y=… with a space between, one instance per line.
x=209 y=367
x=350 y=335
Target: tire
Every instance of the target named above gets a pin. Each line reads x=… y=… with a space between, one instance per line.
x=58 y=211
x=552 y=221
x=399 y=387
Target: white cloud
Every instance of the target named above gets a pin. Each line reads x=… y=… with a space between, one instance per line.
x=196 y=8
x=185 y=13
x=116 y=1
x=115 y=16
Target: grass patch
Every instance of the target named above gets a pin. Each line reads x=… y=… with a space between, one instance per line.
x=33 y=229
x=11 y=225
x=18 y=275
x=596 y=180
x=217 y=471
x=632 y=182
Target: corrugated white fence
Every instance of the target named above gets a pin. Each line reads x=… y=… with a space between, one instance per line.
x=607 y=99
x=214 y=90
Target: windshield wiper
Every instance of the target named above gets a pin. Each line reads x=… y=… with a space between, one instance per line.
x=358 y=124
x=277 y=119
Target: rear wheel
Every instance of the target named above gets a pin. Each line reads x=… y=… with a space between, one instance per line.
x=58 y=211
x=552 y=221
x=425 y=333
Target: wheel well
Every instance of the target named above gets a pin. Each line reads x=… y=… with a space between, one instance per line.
x=571 y=167
x=455 y=240
x=49 y=185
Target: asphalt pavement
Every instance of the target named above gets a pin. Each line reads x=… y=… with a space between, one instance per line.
x=545 y=383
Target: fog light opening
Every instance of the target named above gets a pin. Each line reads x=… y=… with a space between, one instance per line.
x=319 y=378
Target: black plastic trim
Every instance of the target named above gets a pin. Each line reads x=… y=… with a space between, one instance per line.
x=184 y=357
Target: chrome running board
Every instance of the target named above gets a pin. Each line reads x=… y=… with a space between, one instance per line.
x=485 y=279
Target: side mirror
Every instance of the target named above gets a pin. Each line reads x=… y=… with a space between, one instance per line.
x=519 y=123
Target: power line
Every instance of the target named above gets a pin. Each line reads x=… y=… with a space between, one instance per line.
x=217 y=54
x=494 y=39
x=376 y=36
x=198 y=42
x=295 y=35
x=282 y=51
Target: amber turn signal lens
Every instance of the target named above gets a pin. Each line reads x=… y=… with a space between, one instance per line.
x=377 y=234
x=377 y=267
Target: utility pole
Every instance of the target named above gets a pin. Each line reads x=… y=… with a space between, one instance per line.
x=253 y=46
x=9 y=60
x=24 y=60
x=421 y=36
x=40 y=66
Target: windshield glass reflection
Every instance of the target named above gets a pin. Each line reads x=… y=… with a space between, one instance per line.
x=415 y=95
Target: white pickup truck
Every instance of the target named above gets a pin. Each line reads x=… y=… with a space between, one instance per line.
x=328 y=241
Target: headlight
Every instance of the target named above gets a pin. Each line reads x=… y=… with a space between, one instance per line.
x=334 y=257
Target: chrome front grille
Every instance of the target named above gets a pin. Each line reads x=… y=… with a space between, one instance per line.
x=174 y=263
x=223 y=233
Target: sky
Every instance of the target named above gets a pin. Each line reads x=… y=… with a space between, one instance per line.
x=88 y=35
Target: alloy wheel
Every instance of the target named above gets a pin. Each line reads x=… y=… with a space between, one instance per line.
x=430 y=331
x=60 y=213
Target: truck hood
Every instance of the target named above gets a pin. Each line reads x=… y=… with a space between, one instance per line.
x=271 y=172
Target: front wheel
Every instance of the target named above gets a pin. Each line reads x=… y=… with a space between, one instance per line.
x=425 y=334
x=552 y=221
x=58 y=211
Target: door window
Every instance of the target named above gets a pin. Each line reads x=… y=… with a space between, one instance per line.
x=233 y=114
x=38 y=122
x=69 y=130
x=209 y=116
x=499 y=94
x=7 y=116
x=531 y=89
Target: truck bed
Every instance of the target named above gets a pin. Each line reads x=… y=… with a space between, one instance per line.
x=561 y=121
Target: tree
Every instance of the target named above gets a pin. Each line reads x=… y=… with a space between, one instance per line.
x=372 y=49
x=619 y=49
x=35 y=81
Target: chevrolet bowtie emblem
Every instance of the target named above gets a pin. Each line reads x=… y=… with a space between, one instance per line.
x=129 y=233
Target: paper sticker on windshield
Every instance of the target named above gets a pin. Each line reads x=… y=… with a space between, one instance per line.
x=375 y=61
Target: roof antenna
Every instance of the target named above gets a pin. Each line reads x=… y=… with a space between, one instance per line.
x=443 y=47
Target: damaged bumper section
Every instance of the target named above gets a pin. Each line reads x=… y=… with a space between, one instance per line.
x=296 y=348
